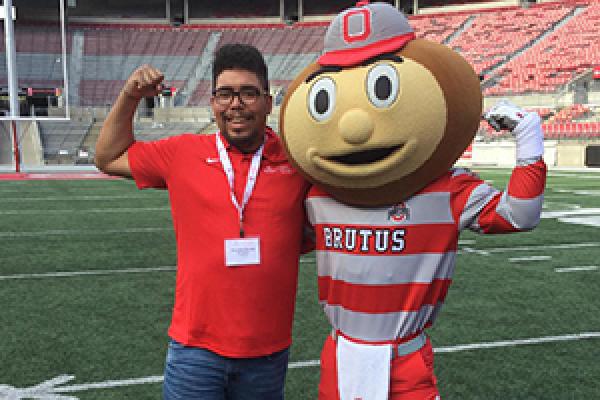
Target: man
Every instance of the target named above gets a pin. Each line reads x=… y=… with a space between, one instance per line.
x=237 y=209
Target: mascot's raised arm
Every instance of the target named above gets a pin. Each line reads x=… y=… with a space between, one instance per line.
x=377 y=124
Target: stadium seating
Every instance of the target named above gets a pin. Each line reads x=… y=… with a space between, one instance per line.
x=555 y=60
x=517 y=50
x=487 y=39
x=63 y=138
x=437 y=28
x=494 y=36
x=570 y=113
x=157 y=130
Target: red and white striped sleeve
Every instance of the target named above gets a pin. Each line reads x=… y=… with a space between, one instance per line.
x=484 y=209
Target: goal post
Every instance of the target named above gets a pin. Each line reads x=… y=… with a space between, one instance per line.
x=34 y=75
x=34 y=81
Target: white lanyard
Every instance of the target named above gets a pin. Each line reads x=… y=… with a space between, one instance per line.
x=252 y=174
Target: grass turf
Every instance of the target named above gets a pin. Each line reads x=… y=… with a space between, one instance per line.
x=112 y=327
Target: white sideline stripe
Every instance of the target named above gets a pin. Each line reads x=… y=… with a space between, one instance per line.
x=66 y=274
x=532 y=258
x=93 y=210
x=81 y=232
x=314 y=363
x=575 y=269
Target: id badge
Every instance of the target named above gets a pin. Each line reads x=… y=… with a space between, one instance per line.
x=242 y=251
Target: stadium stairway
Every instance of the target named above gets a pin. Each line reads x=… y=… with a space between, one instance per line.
x=201 y=70
x=91 y=137
x=75 y=67
x=462 y=28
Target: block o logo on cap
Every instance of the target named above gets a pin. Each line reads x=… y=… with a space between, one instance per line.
x=356 y=25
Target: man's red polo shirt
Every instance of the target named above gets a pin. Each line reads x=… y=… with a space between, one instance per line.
x=244 y=311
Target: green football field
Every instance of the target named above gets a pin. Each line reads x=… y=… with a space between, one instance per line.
x=87 y=272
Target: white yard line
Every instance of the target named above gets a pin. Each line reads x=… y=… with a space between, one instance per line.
x=70 y=198
x=574 y=176
x=566 y=246
x=577 y=269
x=571 y=213
x=474 y=251
x=518 y=342
x=304 y=364
x=67 y=274
x=110 y=384
x=78 y=232
x=93 y=210
x=302 y=261
x=531 y=258
x=50 y=190
x=52 y=388
x=578 y=192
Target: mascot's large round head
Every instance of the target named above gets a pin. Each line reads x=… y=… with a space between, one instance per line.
x=381 y=113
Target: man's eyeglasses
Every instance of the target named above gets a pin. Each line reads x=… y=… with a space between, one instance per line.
x=247 y=95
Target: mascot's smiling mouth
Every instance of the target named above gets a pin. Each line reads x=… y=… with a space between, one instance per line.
x=364 y=157
x=361 y=164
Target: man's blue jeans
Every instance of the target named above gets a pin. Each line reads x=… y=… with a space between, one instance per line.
x=193 y=373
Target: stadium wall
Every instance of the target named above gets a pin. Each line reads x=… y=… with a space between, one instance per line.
x=30 y=145
x=469 y=7
x=534 y=100
x=593 y=97
x=502 y=154
x=6 y=156
x=32 y=152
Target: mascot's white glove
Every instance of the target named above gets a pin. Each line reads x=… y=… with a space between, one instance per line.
x=525 y=126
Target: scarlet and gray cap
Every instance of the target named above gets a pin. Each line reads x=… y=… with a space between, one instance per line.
x=363 y=32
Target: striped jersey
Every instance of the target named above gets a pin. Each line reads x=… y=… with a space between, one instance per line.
x=383 y=273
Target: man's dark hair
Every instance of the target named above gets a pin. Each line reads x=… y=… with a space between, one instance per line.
x=240 y=56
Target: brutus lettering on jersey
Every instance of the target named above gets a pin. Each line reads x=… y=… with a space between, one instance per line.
x=361 y=239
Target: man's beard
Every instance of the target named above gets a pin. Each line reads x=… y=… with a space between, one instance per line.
x=245 y=143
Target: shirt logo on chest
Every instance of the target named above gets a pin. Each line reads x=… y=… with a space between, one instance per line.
x=399 y=212
x=279 y=169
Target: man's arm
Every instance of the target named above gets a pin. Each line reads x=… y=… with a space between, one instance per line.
x=116 y=134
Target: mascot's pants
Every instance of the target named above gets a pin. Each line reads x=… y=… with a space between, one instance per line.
x=411 y=376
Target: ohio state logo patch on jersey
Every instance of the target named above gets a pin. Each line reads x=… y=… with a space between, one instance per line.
x=399 y=213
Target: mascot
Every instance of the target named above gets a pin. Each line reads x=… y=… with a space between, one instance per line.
x=376 y=124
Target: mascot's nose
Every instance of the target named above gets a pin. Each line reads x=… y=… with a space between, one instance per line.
x=356 y=126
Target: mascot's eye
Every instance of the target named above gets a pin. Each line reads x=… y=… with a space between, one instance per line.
x=382 y=85
x=321 y=99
